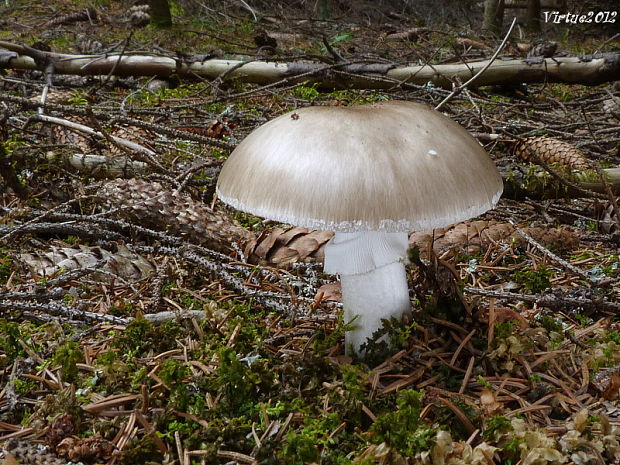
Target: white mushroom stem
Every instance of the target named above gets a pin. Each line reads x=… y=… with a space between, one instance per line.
x=374 y=282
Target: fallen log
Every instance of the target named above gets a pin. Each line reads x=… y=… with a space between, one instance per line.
x=587 y=70
x=535 y=182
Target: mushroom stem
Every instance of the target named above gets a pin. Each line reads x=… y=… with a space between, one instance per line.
x=374 y=282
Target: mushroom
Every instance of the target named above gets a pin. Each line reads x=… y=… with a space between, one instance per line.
x=370 y=173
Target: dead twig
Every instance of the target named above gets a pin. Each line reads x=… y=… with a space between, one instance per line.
x=550 y=254
x=547 y=300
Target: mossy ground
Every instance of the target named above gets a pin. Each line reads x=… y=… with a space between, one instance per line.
x=493 y=381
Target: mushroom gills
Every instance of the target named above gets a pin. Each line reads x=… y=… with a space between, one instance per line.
x=371 y=265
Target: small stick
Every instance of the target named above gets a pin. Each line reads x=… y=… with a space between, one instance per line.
x=547 y=300
x=551 y=255
x=91 y=132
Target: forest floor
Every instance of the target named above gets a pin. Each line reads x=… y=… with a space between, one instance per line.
x=134 y=331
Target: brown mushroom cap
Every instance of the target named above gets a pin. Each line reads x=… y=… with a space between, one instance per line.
x=392 y=166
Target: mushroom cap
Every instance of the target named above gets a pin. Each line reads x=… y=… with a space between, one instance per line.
x=392 y=166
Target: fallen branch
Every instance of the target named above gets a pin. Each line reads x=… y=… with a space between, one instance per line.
x=59 y=310
x=115 y=119
x=91 y=132
x=551 y=301
x=551 y=255
x=102 y=166
x=587 y=70
x=534 y=181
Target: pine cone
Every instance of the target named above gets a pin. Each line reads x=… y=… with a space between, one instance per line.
x=131 y=134
x=122 y=262
x=550 y=150
x=472 y=237
x=31 y=454
x=66 y=136
x=556 y=238
x=154 y=206
x=281 y=247
x=89 y=14
x=85 y=449
x=59 y=98
x=469 y=237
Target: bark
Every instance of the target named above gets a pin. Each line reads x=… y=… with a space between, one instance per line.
x=533 y=16
x=533 y=181
x=322 y=10
x=493 y=16
x=160 y=13
x=102 y=166
x=588 y=70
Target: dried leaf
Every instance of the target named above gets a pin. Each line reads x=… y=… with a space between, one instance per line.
x=489 y=403
x=9 y=459
x=330 y=292
x=612 y=392
x=543 y=456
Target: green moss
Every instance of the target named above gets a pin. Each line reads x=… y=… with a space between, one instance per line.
x=495 y=424
x=7 y=267
x=326 y=336
x=356 y=97
x=141 y=450
x=68 y=355
x=24 y=386
x=174 y=373
x=9 y=342
x=327 y=437
x=248 y=220
x=550 y=323
x=241 y=384
x=190 y=302
x=504 y=329
x=534 y=280
x=300 y=448
x=308 y=93
x=245 y=27
x=122 y=308
x=583 y=320
x=397 y=332
x=563 y=92
x=142 y=337
x=612 y=336
x=113 y=371
x=402 y=429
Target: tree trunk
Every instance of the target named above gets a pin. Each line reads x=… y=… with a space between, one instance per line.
x=493 y=16
x=533 y=16
x=322 y=10
x=160 y=13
